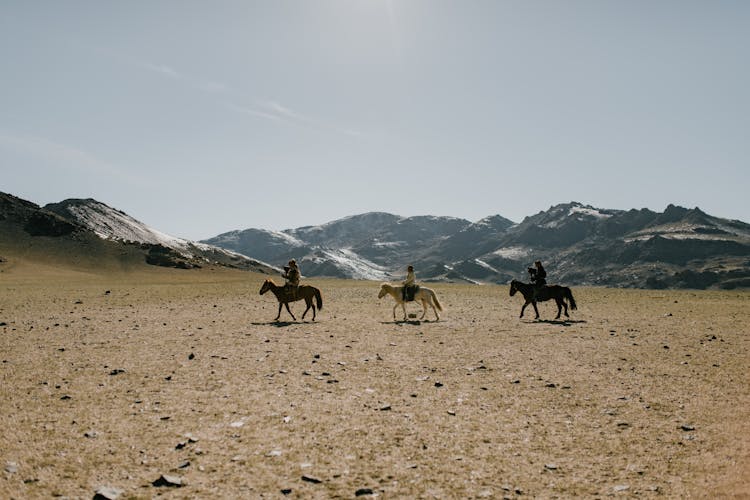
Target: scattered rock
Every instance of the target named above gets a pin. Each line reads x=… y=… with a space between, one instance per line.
x=363 y=491
x=686 y=427
x=168 y=481
x=311 y=479
x=191 y=356
x=438 y=384
x=184 y=465
x=385 y=408
x=286 y=491
x=107 y=493
x=65 y=397
x=91 y=434
x=621 y=487
x=117 y=371
x=550 y=466
x=11 y=467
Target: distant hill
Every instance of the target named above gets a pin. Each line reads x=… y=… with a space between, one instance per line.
x=579 y=244
x=88 y=232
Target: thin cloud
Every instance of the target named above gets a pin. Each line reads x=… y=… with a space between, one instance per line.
x=277 y=112
x=161 y=69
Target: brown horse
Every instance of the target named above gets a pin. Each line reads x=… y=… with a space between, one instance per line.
x=306 y=292
x=547 y=292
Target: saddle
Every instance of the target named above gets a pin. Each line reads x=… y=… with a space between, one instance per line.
x=290 y=292
x=409 y=292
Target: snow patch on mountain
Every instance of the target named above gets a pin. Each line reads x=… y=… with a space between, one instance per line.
x=514 y=253
x=354 y=265
x=588 y=211
x=110 y=223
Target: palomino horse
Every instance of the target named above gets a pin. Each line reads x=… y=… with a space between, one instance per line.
x=424 y=295
x=306 y=292
x=547 y=292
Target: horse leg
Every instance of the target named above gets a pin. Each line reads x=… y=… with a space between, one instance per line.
x=403 y=306
x=559 y=308
x=533 y=303
x=437 y=316
x=279 y=315
x=424 y=309
x=565 y=305
x=308 y=302
x=522 y=308
x=394 y=311
x=289 y=311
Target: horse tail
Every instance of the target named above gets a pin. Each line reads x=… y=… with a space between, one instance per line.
x=437 y=302
x=319 y=299
x=569 y=296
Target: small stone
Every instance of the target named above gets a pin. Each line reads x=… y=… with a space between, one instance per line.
x=117 y=371
x=451 y=413
x=274 y=453
x=286 y=491
x=168 y=481
x=191 y=356
x=11 y=467
x=686 y=427
x=184 y=465
x=621 y=487
x=550 y=466
x=311 y=479
x=385 y=408
x=363 y=491
x=107 y=493
x=91 y=434
x=438 y=384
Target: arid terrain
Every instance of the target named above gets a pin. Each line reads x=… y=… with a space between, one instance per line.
x=111 y=380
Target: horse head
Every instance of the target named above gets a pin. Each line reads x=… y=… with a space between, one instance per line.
x=383 y=290
x=266 y=286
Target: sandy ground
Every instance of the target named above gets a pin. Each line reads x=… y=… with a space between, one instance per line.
x=117 y=381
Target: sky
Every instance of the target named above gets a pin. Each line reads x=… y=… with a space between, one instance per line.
x=200 y=117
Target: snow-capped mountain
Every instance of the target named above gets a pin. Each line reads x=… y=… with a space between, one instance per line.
x=579 y=243
x=110 y=223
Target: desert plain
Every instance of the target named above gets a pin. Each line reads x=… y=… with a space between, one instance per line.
x=179 y=384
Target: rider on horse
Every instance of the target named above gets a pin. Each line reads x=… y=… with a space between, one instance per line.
x=292 y=276
x=409 y=283
x=538 y=276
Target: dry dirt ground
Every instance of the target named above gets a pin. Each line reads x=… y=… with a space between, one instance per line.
x=115 y=381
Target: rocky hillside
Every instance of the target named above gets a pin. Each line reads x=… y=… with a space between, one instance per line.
x=579 y=244
x=87 y=230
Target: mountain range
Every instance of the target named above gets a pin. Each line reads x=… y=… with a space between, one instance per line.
x=579 y=245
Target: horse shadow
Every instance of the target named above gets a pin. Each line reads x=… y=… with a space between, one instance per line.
x=278 y=324
x=562 y=322
x=414 y=322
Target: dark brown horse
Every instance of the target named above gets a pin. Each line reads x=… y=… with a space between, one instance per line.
x=547 y=292
x=306 y=292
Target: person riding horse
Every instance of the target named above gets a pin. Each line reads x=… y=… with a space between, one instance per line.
x=538 y=276
x=410 y=286
x=292 y=276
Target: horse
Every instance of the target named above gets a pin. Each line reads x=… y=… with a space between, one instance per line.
x=547 y=292
x=424 y=295
x=306 y=292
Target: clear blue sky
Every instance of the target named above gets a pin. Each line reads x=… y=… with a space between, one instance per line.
x=198 y=117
